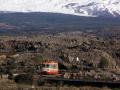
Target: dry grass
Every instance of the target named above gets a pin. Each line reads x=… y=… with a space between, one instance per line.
x=11 y=85
x=6 y=84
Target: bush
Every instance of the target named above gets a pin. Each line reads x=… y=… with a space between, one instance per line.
x=104 y=63
x=116 y=89
x=38 y=58
x=104 y=77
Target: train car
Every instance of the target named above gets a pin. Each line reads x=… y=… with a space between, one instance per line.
x=50 y=67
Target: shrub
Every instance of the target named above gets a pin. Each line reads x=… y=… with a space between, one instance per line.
x=116 y=89
x=38 y=58
x=104 y=63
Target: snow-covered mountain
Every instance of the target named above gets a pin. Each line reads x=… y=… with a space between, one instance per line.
x=75 y=7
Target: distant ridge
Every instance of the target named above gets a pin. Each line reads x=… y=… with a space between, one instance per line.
x=25 y=23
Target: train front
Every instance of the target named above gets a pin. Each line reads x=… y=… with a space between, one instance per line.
x=50 y=67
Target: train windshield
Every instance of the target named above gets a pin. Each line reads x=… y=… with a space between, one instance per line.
x=45 y=65
x=54 y=66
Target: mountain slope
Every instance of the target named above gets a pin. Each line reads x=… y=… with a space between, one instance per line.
x=75 y=7
x=36 y=23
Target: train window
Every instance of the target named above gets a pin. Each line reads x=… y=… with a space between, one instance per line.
x=47 y=65
x=53 y=66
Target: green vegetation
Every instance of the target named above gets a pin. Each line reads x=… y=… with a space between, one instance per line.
x=104 y=63
x=104 y=77
x=38 y=58
x=116 y=89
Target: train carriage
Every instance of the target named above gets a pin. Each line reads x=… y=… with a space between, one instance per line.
x=50 y=67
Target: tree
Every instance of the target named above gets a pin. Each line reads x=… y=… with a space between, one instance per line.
x=104 y=63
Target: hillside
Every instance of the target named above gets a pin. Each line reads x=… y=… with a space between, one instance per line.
x=34 y=23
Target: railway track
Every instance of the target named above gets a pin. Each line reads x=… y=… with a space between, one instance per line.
x=78 y=82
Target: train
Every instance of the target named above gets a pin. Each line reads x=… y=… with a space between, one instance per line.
x=50 y=67
x=50 y=73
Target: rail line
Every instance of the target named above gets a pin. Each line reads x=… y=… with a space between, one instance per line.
x=78 y=82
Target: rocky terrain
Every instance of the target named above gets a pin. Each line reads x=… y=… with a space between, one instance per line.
x=92 y=57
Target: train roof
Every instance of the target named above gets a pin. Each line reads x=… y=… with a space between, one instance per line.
x=50 y=61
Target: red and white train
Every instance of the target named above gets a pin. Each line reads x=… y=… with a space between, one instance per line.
x=50 y=67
